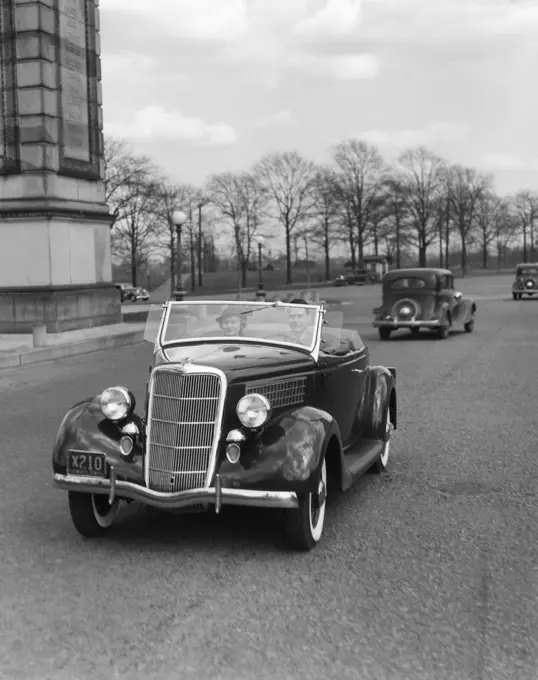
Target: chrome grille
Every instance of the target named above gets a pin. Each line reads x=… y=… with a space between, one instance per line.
x=183 y=423
x=281 y=393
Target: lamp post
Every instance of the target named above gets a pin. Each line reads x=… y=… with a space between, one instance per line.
x=260 y=293
x=178 y=219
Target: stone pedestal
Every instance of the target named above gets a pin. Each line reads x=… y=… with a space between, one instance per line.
x=55 y=260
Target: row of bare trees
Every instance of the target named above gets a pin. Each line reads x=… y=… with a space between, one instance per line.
x=419 y=202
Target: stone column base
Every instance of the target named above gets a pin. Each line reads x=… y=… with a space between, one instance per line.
x=59 y=308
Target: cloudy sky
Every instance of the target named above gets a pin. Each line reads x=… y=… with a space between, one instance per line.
x=209 y=85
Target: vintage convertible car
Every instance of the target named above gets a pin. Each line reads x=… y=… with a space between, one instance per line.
x=526 y=282
x=257 y=404
x=423 y=298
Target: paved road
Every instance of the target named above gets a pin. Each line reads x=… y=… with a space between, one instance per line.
x=427 y=572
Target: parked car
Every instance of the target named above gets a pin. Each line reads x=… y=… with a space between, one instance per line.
x=127 y=292
x=423 y=298
x=141 y=294
x=526 y=282
x=341 y=280
x=255 y=404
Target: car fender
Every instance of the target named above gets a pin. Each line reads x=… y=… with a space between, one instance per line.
x=442 y=310
x=287 y=454
x=382 y=400
x=470 y=309
x=84 y=428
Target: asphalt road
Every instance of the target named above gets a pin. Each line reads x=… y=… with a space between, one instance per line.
x=426 y=572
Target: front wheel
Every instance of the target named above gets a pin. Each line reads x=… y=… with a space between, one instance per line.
x=384 y=333
x=381 y=463
x=469 y=326
x=92 y=514
x=304 y=525
x=514 y=296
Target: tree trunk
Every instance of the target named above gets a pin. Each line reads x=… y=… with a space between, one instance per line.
x=441 y=243
x=398 y=254
x=422 y=247
x=200 y=245
x=463 y=254
x=193 y=266
x=360 y=248
x=244 y=273
x=351 y=244
x=288 y=256
x=484 y=251
x=133 y=259
x=447 y=237
x=326 y=249
x=524 y=243
x=172 y=264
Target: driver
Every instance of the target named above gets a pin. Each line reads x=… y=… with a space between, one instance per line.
x=232 y=322
x=300 y=322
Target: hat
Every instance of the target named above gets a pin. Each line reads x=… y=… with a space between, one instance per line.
x=230 y=312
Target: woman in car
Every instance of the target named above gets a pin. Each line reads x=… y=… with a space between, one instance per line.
x=232 y=322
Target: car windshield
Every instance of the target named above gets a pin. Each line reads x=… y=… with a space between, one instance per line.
x=528 y=271
x=405 y=283
x=272 y=323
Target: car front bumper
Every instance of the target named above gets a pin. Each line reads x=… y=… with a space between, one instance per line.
x=173 y=501
x=391 y=323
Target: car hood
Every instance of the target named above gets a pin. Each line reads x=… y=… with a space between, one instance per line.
x=240 y=361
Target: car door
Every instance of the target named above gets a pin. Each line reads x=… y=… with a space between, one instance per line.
x=341 y=387
x=446 y=293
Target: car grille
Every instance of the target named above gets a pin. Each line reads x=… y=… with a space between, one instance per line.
x=184 y=418
x=282 y=392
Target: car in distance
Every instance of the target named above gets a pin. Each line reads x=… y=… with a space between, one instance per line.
x=127 y=292
x=526 y=282
x=265 y=404
x=423 y=298
x=141 y=294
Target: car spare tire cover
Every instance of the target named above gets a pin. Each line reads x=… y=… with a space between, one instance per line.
x=406 y=309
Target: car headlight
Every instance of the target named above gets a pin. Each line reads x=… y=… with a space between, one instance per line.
x=253 y=410
x=116 y=403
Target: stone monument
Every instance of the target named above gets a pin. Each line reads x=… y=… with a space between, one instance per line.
x=55 y=254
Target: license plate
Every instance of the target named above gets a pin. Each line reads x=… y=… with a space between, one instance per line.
x=88 y=464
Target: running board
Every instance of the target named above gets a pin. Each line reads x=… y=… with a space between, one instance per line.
x=359 y=460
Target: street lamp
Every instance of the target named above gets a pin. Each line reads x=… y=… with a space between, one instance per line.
x=260 y=293
x=178 y=219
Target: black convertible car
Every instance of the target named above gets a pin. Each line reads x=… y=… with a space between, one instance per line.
x=256 y=404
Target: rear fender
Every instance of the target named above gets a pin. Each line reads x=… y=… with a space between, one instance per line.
x=382 y=402
x=287 y=454
x=84 y=428
x=442 y=311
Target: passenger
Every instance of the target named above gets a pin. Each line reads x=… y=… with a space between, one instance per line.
x=232 y=322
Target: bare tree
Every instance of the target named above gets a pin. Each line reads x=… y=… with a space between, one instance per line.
x=173 y=197
x=137 y=227
x=240 y=199
x=465 y=188
x=124 y=172
x=525 y=205
x=490 y=206
x=286 y=178
x=418 y=176
x=362 y=170
x=506 y=228
x=326 y=207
